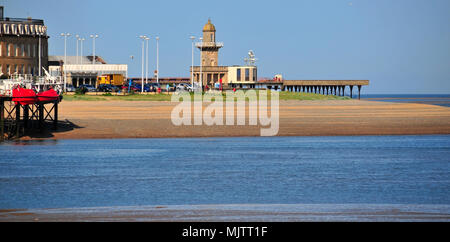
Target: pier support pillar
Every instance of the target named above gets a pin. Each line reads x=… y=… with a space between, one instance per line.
x=351 y=91
x=55 y=116
x=18 y=106
x=359 y=92
x=2 y=120
x=41 y=117
x=25 y=117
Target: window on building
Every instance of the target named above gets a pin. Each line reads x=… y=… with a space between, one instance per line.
x=9 y=49
x=23 y=49
x=29 y=50
x=247 y=74
x=34 y=50
x=238 y=74
x=17 y=50
x=254 y=74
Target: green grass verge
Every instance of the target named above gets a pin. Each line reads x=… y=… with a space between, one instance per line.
x=165 y=97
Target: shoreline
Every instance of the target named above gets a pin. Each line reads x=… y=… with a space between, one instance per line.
x=146 y=119
x=217 y=137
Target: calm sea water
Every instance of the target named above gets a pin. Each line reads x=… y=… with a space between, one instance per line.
x=433 y=99
x=253 y=170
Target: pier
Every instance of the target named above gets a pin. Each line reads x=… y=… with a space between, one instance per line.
x=17 y=119
x=325 y=87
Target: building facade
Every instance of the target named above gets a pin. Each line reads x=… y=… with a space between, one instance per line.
x=23 y=46
x=80 y=70
x=242 y=76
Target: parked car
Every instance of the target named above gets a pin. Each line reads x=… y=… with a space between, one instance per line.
x=191 y=88
x=70 y=88
x=182 y=87
x=88 y=88
x=153 y=87
x=132 y=88
x=107 y=88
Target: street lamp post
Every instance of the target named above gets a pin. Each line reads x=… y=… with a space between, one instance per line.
x=65 y=35
x=201 y=64
x=77 y=37
x=157 y=59
x=146 y=60
x=93 y=36
x=39 y=53
x=81 y=50
x=192 y=65
x=143 y=37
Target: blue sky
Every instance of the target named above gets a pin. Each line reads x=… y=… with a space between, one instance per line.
x=401 y=46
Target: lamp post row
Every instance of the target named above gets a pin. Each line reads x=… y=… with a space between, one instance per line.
x=145 y=40
x=79 y=56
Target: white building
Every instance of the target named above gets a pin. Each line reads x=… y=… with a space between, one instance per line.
x=242 y=76
x=80 y=70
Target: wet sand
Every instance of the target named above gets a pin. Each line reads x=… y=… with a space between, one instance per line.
x=147 y=119
x=238 y=213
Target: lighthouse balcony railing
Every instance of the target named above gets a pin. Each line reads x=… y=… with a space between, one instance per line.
x=209 y=44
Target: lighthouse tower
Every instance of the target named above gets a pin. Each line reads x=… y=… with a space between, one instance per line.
x=209 y=47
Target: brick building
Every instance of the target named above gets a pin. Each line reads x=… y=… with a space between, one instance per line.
x=19 y=45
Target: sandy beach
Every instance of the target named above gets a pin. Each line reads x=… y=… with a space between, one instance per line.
x=147 y=119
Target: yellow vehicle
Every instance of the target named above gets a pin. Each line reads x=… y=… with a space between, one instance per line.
x=110 y=79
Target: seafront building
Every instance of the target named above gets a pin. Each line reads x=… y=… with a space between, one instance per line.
x=210 y=74
x=23 y=46
x=83 y=70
